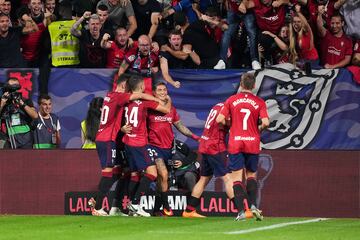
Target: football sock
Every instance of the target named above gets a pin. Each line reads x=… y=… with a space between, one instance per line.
x=234 y=202
x=120 y=191
x=133 y=185
x=251 y=188
x=164 y=200
x=240 y=195
x=144 y=185
x=158 y=203
x=104 y=187
x=193 y=202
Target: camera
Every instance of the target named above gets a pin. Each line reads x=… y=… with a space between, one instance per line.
x=13 y=96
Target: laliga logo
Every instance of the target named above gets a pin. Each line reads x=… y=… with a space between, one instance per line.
x=295 y=102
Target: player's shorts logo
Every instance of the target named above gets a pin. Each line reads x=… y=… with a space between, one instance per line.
x=296 y=104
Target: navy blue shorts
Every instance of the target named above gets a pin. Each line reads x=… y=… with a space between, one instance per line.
x=241 y=160
x=107 y=153
x=121 y=159
x=214 y=165
x=139 y=158
x=163 y=153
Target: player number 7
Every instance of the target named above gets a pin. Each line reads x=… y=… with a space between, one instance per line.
x=246 y=117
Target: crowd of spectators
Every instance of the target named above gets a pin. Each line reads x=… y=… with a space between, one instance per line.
x=189 y=34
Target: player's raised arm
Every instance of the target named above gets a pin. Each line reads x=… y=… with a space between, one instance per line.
x=144 y=96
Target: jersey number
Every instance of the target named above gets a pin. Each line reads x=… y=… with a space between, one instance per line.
x=132 y=118
x=210 y=118
x=246 y=117
x=104 y=115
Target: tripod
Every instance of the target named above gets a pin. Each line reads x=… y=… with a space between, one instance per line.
x=10 y=134
x=6 y=116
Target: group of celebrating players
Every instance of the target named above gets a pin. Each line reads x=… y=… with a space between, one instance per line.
x=136 y=129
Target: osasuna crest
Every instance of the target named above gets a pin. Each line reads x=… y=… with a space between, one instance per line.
x=295 y=102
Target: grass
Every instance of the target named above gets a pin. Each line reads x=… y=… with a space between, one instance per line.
x=108 y=228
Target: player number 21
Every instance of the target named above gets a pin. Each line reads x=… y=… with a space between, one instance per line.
x=132 y=118
x=246 y=117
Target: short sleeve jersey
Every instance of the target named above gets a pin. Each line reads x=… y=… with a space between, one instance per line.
x=136 y=114
x=212 y=140
x=244 y=111
x=269 y=18
x=160 y=128
x=115 y=55
x=334 y=49
x=111 y=115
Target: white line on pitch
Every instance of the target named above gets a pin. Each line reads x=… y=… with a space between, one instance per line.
x=280 y=225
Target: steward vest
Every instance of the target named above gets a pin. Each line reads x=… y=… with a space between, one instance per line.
x=64 y=46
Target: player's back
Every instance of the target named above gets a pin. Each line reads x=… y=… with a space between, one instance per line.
x=245 y=109
x=111 y=115
x=212 y=141
x=135 y=114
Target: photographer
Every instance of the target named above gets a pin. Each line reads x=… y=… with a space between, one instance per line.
x=16 y=115
x=183 y=168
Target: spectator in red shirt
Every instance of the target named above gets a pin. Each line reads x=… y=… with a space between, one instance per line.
x=270 y=17
x=32 y=43
x=302 y=47
x=116 y=50
x=330 y=7
x=336 y=47
x=142 y=60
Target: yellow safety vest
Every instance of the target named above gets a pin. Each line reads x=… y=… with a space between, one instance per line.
x=64 y=46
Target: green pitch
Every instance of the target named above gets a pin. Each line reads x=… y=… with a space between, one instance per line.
x=108 y=228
